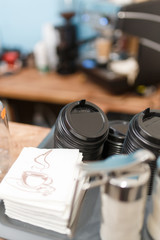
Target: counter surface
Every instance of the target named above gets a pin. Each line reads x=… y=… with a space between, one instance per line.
x=25 y=135
x=31 y=85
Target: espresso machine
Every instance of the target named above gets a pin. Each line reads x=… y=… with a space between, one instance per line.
x=143 y=21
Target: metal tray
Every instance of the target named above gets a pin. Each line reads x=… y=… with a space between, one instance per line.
x=87 y=227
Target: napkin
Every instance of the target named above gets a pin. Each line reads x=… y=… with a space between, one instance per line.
x=40 y=185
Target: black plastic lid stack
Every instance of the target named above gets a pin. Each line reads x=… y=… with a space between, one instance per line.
x=144 y=132
x=116 y=136
x=82 y=125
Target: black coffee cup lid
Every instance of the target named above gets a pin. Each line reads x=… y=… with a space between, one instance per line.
x=118 y=130
x=86 y=121
x=148 y=125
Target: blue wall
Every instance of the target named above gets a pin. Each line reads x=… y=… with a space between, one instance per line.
x=21 y=21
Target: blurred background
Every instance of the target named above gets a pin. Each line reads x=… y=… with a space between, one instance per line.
x=114 y=43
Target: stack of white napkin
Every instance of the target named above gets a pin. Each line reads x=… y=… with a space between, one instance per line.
x=39 y=187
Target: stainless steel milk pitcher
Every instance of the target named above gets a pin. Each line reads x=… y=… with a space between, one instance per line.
x=123 y=181
x=153 y=218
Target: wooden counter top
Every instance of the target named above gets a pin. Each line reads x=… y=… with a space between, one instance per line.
x=25 y=135
x=31 y=85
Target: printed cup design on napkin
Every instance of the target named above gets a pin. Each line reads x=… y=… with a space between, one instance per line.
x=38 y=182
x=35 y=181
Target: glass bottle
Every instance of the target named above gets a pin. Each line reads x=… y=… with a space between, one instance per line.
x=4 y=142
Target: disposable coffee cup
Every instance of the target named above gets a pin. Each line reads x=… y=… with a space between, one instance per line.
x=84 y=126
x=144 y=133
x=116 y=136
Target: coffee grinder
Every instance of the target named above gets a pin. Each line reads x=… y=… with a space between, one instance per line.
x=67 y=49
